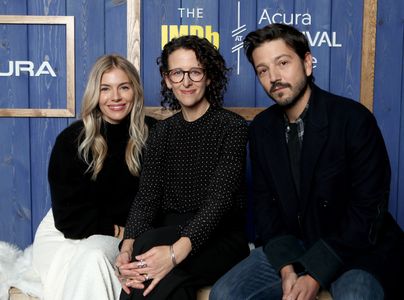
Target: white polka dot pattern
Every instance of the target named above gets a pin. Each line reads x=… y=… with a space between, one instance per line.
x=192 y=167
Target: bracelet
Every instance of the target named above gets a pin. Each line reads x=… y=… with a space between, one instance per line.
x=172 y=254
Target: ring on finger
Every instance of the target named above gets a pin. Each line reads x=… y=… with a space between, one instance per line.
x=142 y=264
x=146 y=276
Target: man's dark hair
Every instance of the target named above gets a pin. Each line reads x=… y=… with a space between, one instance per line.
x=211 y=60
x=290 y=35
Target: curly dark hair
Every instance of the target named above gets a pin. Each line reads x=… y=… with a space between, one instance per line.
x=210 y=59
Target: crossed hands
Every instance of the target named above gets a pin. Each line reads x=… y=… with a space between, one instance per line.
x=152 y=265
x=303 y=287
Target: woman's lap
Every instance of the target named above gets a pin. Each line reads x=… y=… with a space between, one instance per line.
x=201 y=269
x=59 y=260
x=49 y=241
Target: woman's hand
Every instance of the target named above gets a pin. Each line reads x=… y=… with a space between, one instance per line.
x=153 y=264
x=124 y=270
x=157 y=262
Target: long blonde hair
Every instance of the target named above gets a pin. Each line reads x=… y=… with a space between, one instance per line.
x=92 y=145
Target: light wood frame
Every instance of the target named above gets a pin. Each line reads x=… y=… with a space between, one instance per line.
x=367 y=63
x=368 y=53
x=69 y=111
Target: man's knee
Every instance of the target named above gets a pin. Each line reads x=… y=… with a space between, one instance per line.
x=220 y=291
x=357 y=284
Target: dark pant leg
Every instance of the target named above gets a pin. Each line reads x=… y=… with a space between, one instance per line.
x=220 y=254
x=253 y=278
x=356 y=284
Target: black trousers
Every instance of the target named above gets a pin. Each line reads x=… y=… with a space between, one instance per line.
x=221 y=253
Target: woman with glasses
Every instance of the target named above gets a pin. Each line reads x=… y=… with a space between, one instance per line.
x=186 y=225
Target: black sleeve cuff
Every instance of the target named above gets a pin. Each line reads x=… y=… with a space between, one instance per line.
x=104 y=226
x=321 y=262
x=282 y=251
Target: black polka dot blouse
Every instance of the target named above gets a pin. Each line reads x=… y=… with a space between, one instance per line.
x=193 y=168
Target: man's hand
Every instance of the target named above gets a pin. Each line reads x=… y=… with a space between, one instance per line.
x=305 y=288
x=289 y=278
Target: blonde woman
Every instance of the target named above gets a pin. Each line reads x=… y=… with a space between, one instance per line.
x=93 y=176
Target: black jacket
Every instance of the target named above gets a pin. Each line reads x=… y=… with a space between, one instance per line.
x=340 y=221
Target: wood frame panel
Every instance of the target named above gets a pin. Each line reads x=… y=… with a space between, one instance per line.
x=368 y=53
x=367 y=63
x=69 y=111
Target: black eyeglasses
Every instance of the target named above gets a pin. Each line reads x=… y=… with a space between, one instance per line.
x=177 y=75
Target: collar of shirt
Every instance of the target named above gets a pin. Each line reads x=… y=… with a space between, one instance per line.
x=299 y=123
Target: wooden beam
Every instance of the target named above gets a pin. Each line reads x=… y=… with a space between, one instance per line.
x=368 y=53
x=133 y=16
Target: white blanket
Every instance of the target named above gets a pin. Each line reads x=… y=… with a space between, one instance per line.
x=16 y=271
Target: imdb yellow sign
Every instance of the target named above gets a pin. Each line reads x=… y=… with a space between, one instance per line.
x=169 y=32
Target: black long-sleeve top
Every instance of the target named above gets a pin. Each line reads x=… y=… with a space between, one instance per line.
x=81 y=206
x=193 y=168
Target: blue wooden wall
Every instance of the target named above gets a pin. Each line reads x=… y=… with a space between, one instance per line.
x=100 y=27
x=26 y=143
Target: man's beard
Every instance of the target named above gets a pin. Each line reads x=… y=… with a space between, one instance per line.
x=297 y=93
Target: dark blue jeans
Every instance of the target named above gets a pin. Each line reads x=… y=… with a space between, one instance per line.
x=255 y=278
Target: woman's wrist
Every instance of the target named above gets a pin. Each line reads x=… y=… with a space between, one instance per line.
x=180 y=250
x=127 y=246
x=117 y=230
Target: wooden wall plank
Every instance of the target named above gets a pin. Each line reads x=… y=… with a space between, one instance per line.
x=115 y=27
x=89 y=40
x=388 y=93
x=200 y=12
x=15 y=198
x=237 y=19
x=47 y=42
x=368 y=53
x=345 y=65
x=155 y=13
x=320 y=23
x=399 y=168
x=133 y=23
